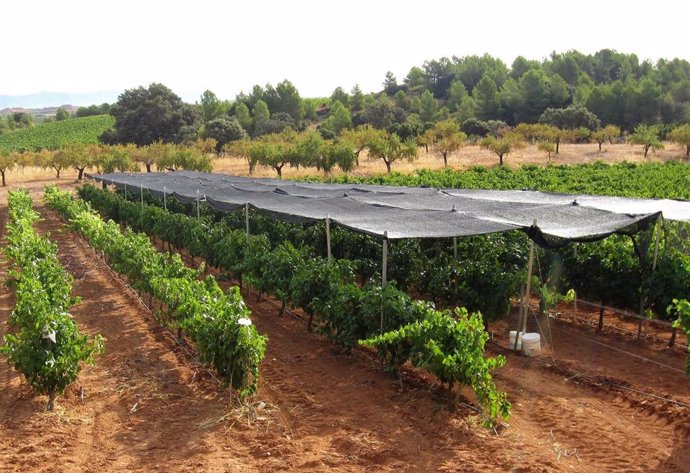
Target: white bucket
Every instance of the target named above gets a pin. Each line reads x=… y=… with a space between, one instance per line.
x=511 y=342
x=531 y=344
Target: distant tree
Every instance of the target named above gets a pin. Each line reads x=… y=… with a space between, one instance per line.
x=211 y=106
x=336 y=154
x=20 y=120
x=356 y=99
x=184 y=157
x=61 y=114
x=521 y=66
x=242 y=149
x=271 y=151
x=310 y=108
x=390 y=84
x=206 y=145
x=681 y=137
x=288 y=101
x=502 y=146
x=7 y=162
x=358 y=139
x=407 y=130
x=536 y=132
x=457 y=94
x=570 y=118
x=401 y=100
x=143 y=116
x=116 y=158
x=260 y=113
x=91 y=110
x=415 y=81
x=224 y=130
x=447 y=139
x=150 y=155
x=426 y=139
x=243 y=117
x=339 y=95
x=547 y=147
x=475 y=127
x=486 y=99
x=339 y=119
x=278 y=123
x=58 y=160
x=382 y=113
x=428 y=107
x=79 y=156
x=390 y=148
x=608 y=133
x=648 y=137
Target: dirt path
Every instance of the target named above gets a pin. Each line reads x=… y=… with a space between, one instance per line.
x=148 y=406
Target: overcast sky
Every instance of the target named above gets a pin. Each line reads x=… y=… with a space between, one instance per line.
x=227 y=46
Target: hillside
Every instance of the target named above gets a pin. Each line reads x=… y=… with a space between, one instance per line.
x=54 y=134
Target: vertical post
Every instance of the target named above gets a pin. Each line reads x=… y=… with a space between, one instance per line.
x=384 y=273
x=656 y=244
x=246 y=219
x=522 y=317
x=197 y=204
x=125 y=191
x=328 y=238
x=141 y=194
x=575 y=298
x=165 y=200
x=645 y=321
x=455 y=247
x=530 y=263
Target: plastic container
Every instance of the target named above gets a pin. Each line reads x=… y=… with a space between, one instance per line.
x=511 y=342
x=531 y=344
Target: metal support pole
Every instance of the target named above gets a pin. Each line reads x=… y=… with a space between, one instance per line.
x=455 y=247
x=575 y=298
x=246 y=219
x=197 y=204
x=530 y=263
x=656 y=243
x=522 y=317
x=328 y=238
x=384 y=272
x=165 y=200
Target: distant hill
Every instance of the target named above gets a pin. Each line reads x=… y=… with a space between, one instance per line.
x=55 y=99
x=53 y=134
x=38 y=112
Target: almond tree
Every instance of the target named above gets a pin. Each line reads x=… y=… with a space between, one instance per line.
x=648 y=137
x=503 y=145
x=681 y=136
x=447 y=139
x=390 y=148
x=609 y=133
x=7 y=162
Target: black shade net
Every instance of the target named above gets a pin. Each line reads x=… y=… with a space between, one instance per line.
x=550 y=219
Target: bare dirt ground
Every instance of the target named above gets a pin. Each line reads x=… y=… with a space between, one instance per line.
x=148 y=406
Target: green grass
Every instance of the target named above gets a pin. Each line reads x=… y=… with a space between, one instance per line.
x=52 y=135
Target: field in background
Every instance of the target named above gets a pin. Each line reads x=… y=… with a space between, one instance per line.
x=54 y=134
